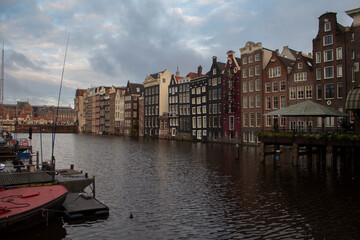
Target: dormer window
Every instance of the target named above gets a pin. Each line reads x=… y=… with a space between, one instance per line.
x=300 y=65
x=214 y=71
x=327 y=26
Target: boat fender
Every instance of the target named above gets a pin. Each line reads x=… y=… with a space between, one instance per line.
x=101 y=212
x=25 y=144
x=30 y=195
x=76 y=216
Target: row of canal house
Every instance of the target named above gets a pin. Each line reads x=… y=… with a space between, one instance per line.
x=230 y=101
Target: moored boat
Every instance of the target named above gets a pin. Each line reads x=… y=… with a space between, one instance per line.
x=22 y=208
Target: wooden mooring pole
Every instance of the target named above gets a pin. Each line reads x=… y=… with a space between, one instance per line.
x=295 y=155
x=262 y=152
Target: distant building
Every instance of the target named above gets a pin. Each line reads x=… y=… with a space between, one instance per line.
x=254 y=58
x=215 y=100
x=198 y=96
x=275 y=79
x=119 y=110
x=79 y=101
x=131 y=110
x=231 y=99
x=329 y=51
x=155 y=101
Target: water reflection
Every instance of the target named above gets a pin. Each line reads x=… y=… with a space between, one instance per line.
x=176 y=189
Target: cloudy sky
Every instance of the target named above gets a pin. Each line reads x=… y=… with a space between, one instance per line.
x=113 y=41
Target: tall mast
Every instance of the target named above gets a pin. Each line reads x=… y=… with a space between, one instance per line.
x=2 y=77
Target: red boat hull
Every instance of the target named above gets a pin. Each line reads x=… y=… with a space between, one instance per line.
x=25 y=207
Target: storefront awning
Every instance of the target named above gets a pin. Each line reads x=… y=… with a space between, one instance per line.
x=353 y=99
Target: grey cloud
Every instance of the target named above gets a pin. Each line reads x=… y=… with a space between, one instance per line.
x=16 y=61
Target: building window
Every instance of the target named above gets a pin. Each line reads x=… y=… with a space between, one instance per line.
x=340 y=90
x=339 y=53
x=328 y=40
x=257 y=57
x=245 y=102
x=257 y=70
x=245 y=89
x=300 y=76
x=282 y=101
x=318 y=57
x=251 y=59
x=231 y=123
x=199 y=122
x=327 y=26
x=282 y=85
x=282 y=121
x=329 y=91
x=274 y=72
x=353 y=54
x=308 y=92
x=292 y=93
x=275 y=102
x=257 y=101
x=300 y=65
x=268 y=121
x=339 y=71
x=300 y=92
x=329 y=121
x=251 y=71
x=258 y=119
x=252 y=119
x=245 y=73
x=204 y=121
x=257 y=85
x=251 y=101
x=328 y=72
x=244 y=60
x=275 y=86
x=214 y=71
x=246 y=119
x=267 y=87
x=318 y=74
x=328 y=55
x=251 y=86
x=318 y=92
x=268 y=103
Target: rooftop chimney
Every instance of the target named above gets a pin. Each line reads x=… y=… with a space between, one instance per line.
x=214 y=59
x=199 y=71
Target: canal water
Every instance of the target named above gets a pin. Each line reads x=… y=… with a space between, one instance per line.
x=186 y=190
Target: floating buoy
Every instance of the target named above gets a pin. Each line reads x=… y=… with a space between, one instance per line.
x=25 y=144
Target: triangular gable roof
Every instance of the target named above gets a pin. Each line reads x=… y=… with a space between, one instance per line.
x=135 y=88
x=192 y=75
x=287 y=62
x=156 y=75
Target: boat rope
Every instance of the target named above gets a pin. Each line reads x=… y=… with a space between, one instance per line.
x=11 y=199
x=45 y=214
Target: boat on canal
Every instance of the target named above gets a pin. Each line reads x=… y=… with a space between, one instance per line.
x=24 y=207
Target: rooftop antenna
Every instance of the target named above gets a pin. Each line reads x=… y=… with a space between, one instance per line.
x=2 y=76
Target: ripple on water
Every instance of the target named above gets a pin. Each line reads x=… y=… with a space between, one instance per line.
x=183 y=190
